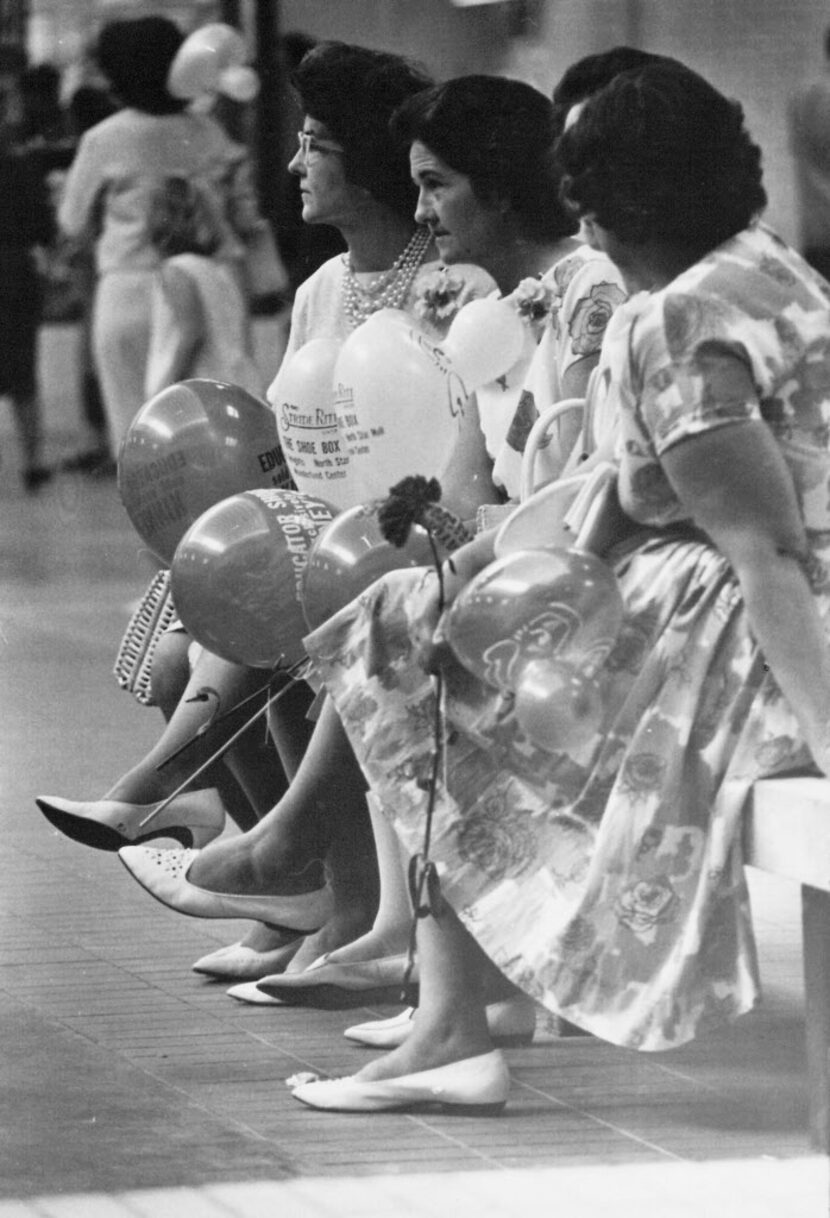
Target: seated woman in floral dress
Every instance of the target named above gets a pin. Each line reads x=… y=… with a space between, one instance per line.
x=608 y=883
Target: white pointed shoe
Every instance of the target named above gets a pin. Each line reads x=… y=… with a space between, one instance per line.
x=510 y=1023
x=164 y=874
x=238 y=962
x=193 y=818
x=327 y=984
x=249 y=992
x=477 y=1086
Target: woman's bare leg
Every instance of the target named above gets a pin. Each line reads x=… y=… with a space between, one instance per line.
x=450 y=1023
x=253 y=763
x=323 y=813
x=389 y=933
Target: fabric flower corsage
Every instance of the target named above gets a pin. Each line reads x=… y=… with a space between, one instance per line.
x=533 y=299
x=440 y=295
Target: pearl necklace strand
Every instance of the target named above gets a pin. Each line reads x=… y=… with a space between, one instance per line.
x=389 y=289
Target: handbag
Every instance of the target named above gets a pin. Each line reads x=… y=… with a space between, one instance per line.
x=154 y=615
x=579 y=510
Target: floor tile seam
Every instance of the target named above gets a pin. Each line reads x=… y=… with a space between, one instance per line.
x=627 y=1134
x=702 y=1084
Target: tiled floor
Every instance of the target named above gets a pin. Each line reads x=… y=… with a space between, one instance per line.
x=123 y=1072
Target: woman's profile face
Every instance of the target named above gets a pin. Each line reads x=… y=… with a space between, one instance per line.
x=328 y=197
x=464 y=228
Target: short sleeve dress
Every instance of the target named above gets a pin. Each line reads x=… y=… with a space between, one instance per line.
x=608 y=883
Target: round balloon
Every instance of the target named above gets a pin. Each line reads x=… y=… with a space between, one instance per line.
x=192 y=445
x=303 y=402
x=202 y=57
x=534 y=604
x=558 y=707
x=237 y=572
x=239 y=83
x=350 y=554
x=484 y=341
x=398 y=401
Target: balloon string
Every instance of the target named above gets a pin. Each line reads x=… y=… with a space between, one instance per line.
x=295 y=675
x=216 y=717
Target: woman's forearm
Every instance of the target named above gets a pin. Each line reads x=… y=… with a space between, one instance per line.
x=784 y=619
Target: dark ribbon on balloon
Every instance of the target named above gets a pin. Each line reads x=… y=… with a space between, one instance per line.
x=295 y=672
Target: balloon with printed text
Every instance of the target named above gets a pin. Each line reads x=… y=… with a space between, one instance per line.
x=237 y=573
x=302 y=399
x=192 y=445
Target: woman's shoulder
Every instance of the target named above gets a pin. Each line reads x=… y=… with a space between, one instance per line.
x=325 y=279
x=580 y=269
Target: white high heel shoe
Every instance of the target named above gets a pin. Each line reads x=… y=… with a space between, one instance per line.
x=193 y=818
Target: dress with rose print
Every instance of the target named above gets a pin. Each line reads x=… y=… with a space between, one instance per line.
x=566 y=319
x=608 y=883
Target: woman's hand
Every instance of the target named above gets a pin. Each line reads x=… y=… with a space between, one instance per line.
x=737 y=488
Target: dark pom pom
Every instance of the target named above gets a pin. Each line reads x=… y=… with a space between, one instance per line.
x=405 y=506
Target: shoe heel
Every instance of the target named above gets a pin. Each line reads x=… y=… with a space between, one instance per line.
x=485 y=1110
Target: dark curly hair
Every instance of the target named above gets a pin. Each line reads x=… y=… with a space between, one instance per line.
x=354 y=91
x=135 y=56
x=588 y=75
x=660 y=155
x=500 y=134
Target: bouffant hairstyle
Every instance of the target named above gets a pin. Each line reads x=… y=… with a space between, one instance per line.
x=660 y=155
x=500 y=134
x=353 y=91
x=182 y=219
x=135 y=55
x=590 y=74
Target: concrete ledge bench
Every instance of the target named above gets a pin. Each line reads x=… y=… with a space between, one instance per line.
x=787 y=834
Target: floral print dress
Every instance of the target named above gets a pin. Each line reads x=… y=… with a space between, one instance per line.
x=608 y=883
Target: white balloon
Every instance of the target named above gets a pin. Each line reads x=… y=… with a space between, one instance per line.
x=398 y=401
x=202 y=58
x=303 y=402
x=239 y=83
x=484 y=341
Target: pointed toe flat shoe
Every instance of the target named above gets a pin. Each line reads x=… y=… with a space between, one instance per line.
x=238 y=962
x=164 y=875
x=193 y=818
x=332 y=986
x=477 y=1086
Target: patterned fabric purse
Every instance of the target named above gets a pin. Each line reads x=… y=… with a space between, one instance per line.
x=154 y=615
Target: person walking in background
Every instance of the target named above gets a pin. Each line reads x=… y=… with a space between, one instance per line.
x=809 y=119
x=88 y=105
x=199 y=323
x=26 y=222
x=118 y=167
